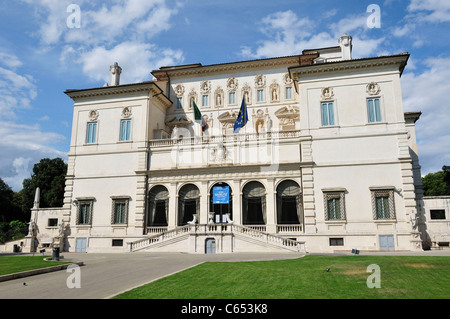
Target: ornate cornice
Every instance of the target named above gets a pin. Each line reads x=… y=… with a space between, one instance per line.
x=399 y=60
x=195 y=69
x=149 y=87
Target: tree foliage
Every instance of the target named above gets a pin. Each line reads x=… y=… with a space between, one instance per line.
x=437 y=184
x=49 y=175
x=9 y=208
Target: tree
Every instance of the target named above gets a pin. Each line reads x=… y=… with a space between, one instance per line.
x=437 y=184
x=9 y=210
x=49 y=175
x=446 y=170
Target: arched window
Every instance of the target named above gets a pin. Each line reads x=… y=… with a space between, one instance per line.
x=188 y=204
x=219 y=206
x=289 y=203
x=158 y=206
x=254 y=209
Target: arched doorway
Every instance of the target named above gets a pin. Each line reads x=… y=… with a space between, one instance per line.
x=210 y=246
x=158 y=206
x=289 y=203
x=254 y=211
x=188 y=204
x=221 y=202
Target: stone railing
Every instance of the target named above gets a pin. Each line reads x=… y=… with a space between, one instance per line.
x=146 y=242
x=270 y=239
x=156 y=230
x=289 y=229
x=200 y=229
x=230 y=138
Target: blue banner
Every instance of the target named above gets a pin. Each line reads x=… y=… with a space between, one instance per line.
x=221 y=195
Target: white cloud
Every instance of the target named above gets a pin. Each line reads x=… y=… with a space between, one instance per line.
x=9 y=60
x=430 y=10
x=145 y=57
x=423 y=92
x=22 y=146
x=16 y=90
x=287 y=34
x=116 y=31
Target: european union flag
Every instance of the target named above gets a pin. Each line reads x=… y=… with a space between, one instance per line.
x=242 y=118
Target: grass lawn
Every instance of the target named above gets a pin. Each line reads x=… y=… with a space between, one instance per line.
x=13 y=264
x=306 y=278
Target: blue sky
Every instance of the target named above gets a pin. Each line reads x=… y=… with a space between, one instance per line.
x=41 y=57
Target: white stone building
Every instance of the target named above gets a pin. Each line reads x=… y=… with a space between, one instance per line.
x=326 y=162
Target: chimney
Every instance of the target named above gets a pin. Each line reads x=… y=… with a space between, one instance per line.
x=115 y=71
x=346 y=46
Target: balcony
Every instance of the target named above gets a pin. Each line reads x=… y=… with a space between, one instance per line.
x=230 y=138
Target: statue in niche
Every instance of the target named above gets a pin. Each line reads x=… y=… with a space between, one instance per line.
x=247 y=98
x=274 y=94
x=269 y=124
x=219 y=99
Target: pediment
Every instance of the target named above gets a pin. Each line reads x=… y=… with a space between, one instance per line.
x=228 y=117
x=288 y=112
x=178 y=121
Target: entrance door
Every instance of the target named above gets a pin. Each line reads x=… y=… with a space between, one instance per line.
x=80 y=245
x=210 y=246
x=387 y=242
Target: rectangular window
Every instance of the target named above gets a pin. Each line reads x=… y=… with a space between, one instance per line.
x=52 y=222
x=125 y=130
x=84 y=213
x=437 y=213
x=289 y=93
x=334 y=209
x=179 y=102
x=91 y=136
x=232 y=98
x=260 y=95
x=383 y=204
x=336 y=241
x=334 y=205
x=374 y=110
x=205 y=100
x=120 y=211
x=328 y=114
x=117 y=242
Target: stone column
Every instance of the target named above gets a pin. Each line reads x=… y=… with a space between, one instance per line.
x=173 y=206
x=237 y=202
x=270 y=206
x=204 y=203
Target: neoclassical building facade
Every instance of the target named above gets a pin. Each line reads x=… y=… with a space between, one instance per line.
x=326 y=162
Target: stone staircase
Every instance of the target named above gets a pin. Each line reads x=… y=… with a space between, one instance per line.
x=238 y=231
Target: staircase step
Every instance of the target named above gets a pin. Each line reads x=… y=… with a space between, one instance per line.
x=183 y=232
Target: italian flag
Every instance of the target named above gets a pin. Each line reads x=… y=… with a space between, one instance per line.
x=198 y=117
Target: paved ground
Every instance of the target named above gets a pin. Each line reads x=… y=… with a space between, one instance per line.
x=105 y=275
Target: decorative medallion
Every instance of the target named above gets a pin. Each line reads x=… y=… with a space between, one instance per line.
x=260 y=81
x=287 y=79
x=93 y=115
x=232 y=84
x=179 y=90
x=327 y=93
x=373 y=88
x=126 y=112
x=205 y=87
